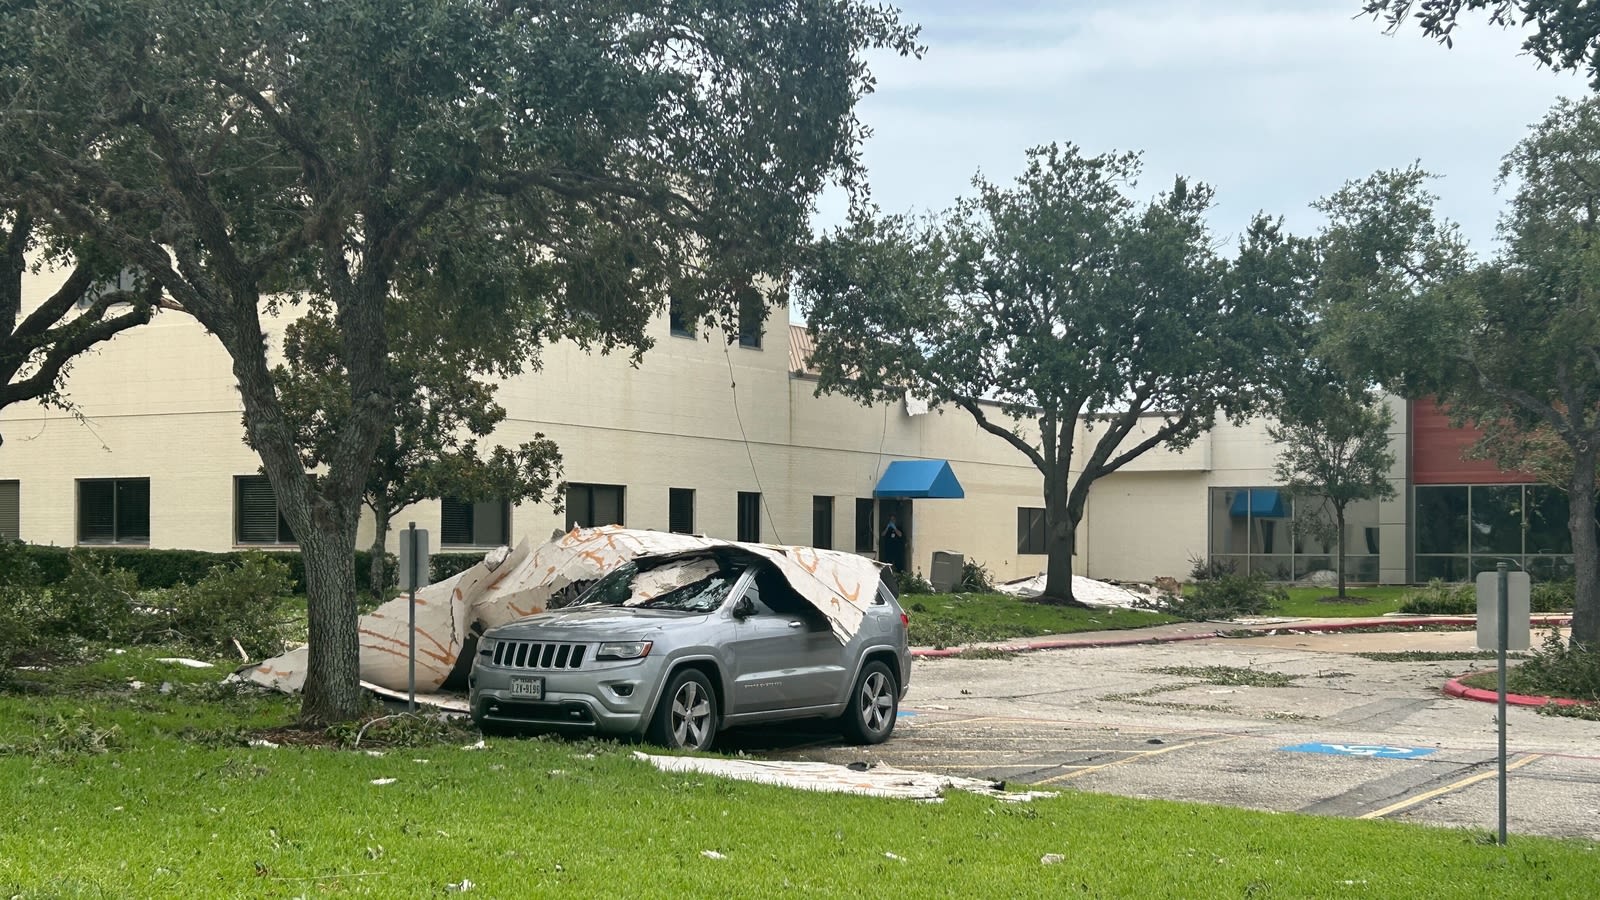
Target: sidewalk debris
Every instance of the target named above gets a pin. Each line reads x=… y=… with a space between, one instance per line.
x=871 y=781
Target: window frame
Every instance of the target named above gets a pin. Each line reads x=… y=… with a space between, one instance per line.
x=282 y=529
x=752 y=322
x=116 y=512
x=1031 y=531
x=590 y=489
x=472 y=523
x=822 y=507
x=11 y=510
x=748 y=518
x=866 y=525
x=674 y=495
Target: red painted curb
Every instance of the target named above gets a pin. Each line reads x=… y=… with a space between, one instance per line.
x=1455 y=688
x=1316 y=628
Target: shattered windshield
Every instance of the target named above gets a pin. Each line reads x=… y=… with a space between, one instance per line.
x=627 y=586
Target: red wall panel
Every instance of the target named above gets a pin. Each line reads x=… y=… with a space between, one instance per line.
x=1436 y=450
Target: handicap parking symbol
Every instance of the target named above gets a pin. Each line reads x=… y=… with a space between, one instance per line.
x=1371 y=751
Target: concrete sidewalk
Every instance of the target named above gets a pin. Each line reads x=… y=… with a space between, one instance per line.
x=1195 y=631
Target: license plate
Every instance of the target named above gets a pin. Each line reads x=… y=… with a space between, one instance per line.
x=530 y=687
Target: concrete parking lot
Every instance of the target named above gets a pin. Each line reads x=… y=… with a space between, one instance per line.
x=1347 y=736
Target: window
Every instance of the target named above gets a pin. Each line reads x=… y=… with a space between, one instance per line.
x=589 y=505
x=124 y=281
x=10 y=510
x=680 y=510
x=866 y=535
x=752 y=316
x=822 y=522
x=1030 y=530
x=678 y=318
x=257 y=519
x=749 y=517
x=114 y=511
x=1462 y=530
x=1286 y=538
x=486 y=523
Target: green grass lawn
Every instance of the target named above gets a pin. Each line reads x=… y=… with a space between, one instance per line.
x=176 y=806
x=1361 y=602
x=951 y=620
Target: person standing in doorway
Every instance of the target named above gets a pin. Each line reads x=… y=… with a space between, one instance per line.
x=894 y=545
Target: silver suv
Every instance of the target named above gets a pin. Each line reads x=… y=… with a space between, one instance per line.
x=647 y=651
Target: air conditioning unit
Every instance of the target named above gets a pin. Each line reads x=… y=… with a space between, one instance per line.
x=946 y=571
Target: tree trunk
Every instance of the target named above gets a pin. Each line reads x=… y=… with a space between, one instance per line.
x=379 y=566
x=1061 y=535
x=333 y=672
x=1338 y=516
x=1585 y=549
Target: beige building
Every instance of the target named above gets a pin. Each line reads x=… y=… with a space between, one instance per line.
x=725 y=439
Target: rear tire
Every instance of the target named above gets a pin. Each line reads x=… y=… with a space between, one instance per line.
x=873 y=705
x=686 y=715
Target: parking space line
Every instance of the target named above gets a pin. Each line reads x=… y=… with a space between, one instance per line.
x=1453 y=786
x=1133 y=756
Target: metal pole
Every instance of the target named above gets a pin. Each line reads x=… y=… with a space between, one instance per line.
x=1503 y=604
x=410 y=695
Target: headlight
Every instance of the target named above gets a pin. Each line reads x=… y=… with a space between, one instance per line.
x=486 y=647
x=623 y=650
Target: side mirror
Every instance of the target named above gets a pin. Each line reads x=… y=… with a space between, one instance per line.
x=743 y=608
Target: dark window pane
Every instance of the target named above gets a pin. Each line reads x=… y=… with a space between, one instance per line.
x=749 y=517
x=1278 y=567
x=866 y=535
x=1497 y=519
x=97 y=504
x=1315 y=529
x=1547 y=520
x=678 y=318
x=1030 y=530
x=752 y=315
x=257 y=519
x=591 y=505
x=1441 y=520
x=133 y=510
x=455 y=522
x=1306 y=566
x=680 y=510
x=822 y=522
x=1445 y=568
x=10 y=510
x=1270 y=511
x=1551 y=568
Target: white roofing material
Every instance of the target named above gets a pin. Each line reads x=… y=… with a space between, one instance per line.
x=1084 y=590
x=510 y=585
x=871 y=781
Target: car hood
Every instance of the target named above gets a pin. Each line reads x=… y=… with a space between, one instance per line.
x=583 y=623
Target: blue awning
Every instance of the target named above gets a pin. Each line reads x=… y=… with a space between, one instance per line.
x=1261 y=503
x=919 y=478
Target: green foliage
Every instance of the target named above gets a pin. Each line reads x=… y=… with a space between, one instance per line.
x=1559 y=668
x=1552 y=596
x=154 y=568
x=243 y=603
x=1227 y=596
x=911 y=583
x=66 y=736
x=421 y=729
x=1562 y=35
x=1061 y=298
x=975 y=579
x=444 y=565
x=1441 y=598
x=97 y=601
x=1202 y=569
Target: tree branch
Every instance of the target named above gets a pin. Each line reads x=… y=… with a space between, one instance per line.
x=1027 y=449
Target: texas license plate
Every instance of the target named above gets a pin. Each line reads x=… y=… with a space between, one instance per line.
x=526 y=686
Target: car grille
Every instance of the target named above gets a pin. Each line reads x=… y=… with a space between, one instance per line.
x=538 y=655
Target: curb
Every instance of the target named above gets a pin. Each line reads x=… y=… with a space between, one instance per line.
x=1315 y=628
x=1455 y=688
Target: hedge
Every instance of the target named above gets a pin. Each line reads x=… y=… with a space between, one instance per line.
x=166 y=568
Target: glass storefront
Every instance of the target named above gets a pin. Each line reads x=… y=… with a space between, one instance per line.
x=1291 y=539
x=1462 y=530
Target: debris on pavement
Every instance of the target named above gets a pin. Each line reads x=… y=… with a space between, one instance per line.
x=873 y=781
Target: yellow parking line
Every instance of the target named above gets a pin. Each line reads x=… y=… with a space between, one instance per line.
x=1134 y=755
x=1429 y=795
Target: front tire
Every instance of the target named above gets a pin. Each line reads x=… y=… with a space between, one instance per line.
x=873 y=706
x=686 y=716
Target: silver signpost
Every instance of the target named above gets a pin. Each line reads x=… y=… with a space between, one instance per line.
x=413 y=574
x=1503 y=596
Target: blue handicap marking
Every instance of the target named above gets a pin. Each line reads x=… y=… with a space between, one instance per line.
x=1372 y=751
x=905 y=713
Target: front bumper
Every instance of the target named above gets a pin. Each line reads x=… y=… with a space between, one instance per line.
x=613 y=700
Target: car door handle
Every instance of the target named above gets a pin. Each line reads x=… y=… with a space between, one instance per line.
x=797 y=624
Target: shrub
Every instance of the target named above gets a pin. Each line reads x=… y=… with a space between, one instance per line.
x=1228 y=596
x=96 y=601
x=1553 y=596
x=1441 y=598
x=1211 y=569
x=1559 y=668
x=911 y=583
x=975 y=579
x=234 y=603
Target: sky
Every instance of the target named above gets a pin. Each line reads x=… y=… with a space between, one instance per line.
x=1273 y=102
